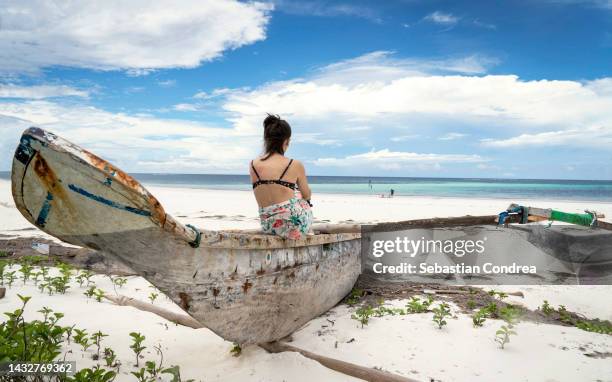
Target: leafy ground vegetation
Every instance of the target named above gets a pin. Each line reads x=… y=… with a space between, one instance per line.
x=46 y=339
x=481 y=305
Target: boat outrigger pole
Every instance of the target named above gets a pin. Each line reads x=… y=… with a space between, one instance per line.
x=521 y=214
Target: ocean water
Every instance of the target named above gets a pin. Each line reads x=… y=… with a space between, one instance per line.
x=594 y=190
x=516 y=189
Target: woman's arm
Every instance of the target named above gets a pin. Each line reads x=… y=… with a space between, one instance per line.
x=302 y=181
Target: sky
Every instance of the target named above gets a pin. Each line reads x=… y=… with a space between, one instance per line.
x=426 y=88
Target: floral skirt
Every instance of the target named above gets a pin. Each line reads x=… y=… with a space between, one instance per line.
x=291 y=219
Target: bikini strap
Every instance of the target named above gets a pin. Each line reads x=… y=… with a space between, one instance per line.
x=286 y=168
x=253 y=167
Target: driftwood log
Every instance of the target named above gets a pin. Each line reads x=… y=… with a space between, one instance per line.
x=177 y=318
x=357 y=371
x=351 y=369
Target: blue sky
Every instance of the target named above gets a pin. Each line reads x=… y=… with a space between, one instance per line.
x=517 y=89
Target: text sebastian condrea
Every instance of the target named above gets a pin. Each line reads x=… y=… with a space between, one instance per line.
x=423 y=268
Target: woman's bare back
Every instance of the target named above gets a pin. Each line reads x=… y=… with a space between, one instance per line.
x=271 y=169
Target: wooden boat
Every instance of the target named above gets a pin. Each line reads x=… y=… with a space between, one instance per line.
x=244 y=286
x=247 y=288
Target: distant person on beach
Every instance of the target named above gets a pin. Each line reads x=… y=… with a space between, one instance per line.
x=276 y=180
x=391 y=193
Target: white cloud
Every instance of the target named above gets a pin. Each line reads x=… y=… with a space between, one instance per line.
x=395 y=94
x=384 y=66
x=482 y=24
x=185 y=107
x=442 y=18
x=40 y=91
x=597 y=136
x=325 y=9
x=387 y=159
x=315 y=138
x=135 y=143
x=403 y=138
x=166 y=83
x=451 y=136
x=214 y=94
x=133 y=89
x=136 y=35
x=605 y=4
x=332 y=109
x=601 y=87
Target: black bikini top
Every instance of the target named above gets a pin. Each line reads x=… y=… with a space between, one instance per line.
x=278 y=181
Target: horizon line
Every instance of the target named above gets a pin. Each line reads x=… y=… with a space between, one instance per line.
x=375 y=176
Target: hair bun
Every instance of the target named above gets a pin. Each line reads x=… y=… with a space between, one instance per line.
x=271 y=119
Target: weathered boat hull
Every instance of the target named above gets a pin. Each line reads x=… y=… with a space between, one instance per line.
x=559 y=254
x=247 y=288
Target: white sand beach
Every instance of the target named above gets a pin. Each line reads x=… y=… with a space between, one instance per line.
x=410 y=345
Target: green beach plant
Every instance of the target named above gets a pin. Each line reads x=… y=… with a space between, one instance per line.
x=137 y=346
x=440 y=314
x=95 y=374
x=45 y=311
x=65 y=269
x=97 y=339
x=363 y=314
x=479 y=318
x=502 y=336
x=98 y=294
x=152 y=297
x=236 y=349
x=10 y=278
x=175 y=372
x=110 y=358
x=416 y=305
x=154 y=369
x=141 y=375
x=498 y=294
x=510 y=314
x=546 y=308
x=26 y=272
x=119 y=281
x=81 y=337
x=34 y=341
x=69 y=330
x=3 y=265
x=36 y=277
x=59 y=284
x=90 y=292
x=595 y=326
x=354 y=296
x=471 y=304
x=84 y=277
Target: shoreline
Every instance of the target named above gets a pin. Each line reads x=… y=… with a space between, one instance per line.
x=216 y=209
x=396 y=195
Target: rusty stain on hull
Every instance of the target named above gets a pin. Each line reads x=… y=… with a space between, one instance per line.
x=246 y=286
x=157 y=211
x=185 y=300
x=47 y=176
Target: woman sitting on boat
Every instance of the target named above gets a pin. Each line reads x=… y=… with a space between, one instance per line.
x=276 y=180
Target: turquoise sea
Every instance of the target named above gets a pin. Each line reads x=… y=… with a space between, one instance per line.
x=594 y=190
